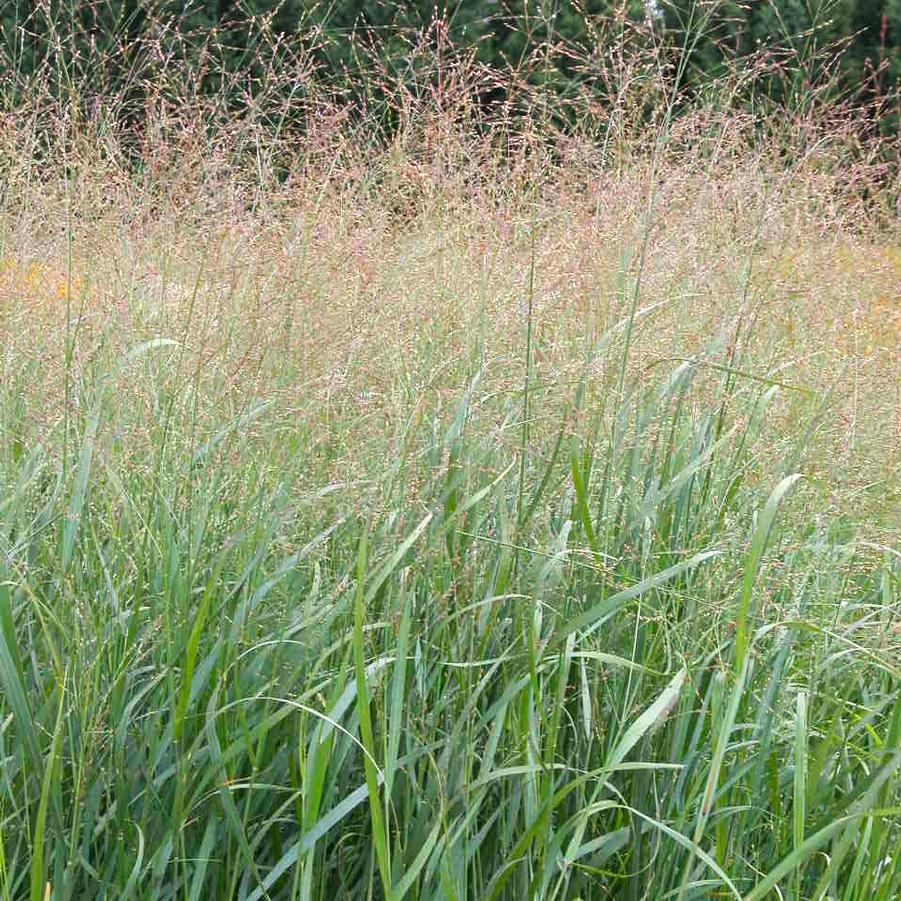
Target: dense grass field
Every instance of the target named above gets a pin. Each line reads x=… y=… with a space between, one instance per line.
x=439 y=524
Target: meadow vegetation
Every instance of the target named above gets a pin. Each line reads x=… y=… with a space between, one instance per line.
x=484 y=508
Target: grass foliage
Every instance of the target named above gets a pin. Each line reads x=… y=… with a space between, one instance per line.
x=448 y=522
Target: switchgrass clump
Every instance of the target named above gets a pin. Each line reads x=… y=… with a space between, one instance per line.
x=482 y=509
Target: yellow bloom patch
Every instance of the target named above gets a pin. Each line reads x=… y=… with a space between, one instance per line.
x=35 y=283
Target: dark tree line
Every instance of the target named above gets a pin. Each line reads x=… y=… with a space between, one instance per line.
x=110 y=42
